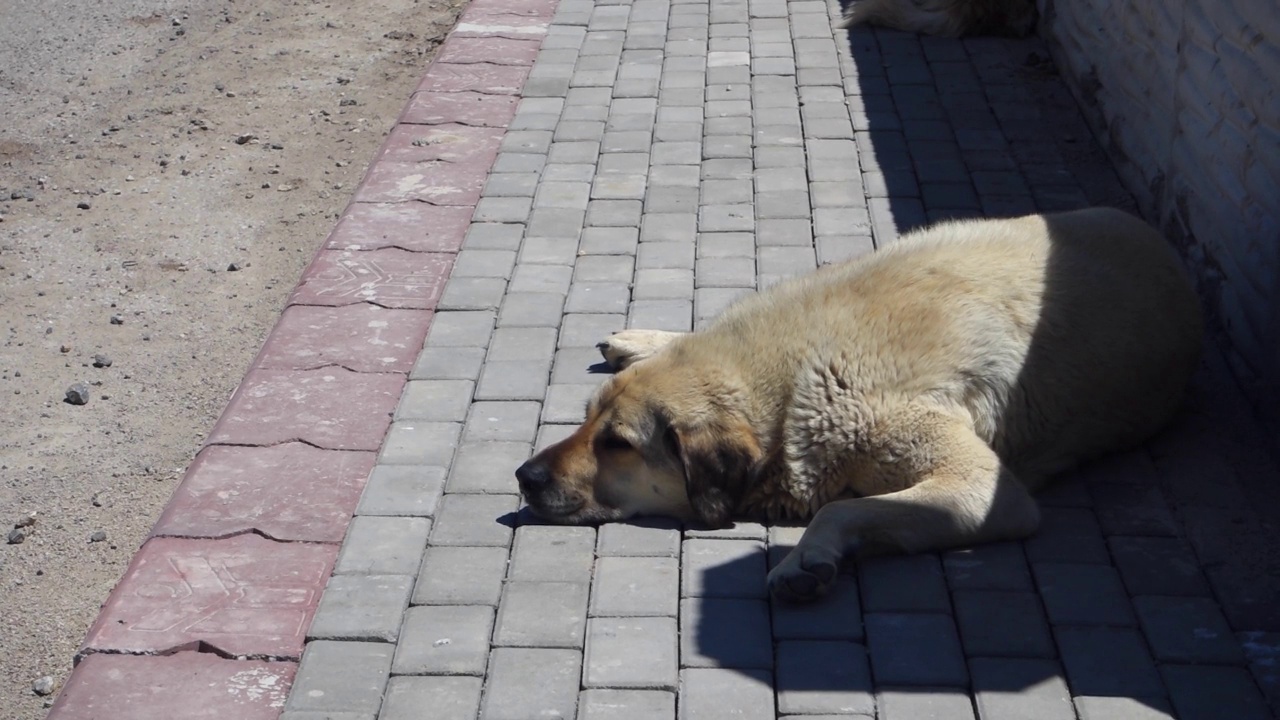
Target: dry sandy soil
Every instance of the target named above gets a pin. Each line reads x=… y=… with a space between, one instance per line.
x=125 y=198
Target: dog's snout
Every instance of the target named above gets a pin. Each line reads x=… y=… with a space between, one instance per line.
x=533 y=476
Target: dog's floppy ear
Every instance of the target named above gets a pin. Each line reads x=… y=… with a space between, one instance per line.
x=718 y=461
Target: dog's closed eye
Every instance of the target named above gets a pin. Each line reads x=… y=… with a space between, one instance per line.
x=612 y=441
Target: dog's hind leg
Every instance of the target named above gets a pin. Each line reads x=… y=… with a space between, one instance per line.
x=961 y=494
x=629 y=347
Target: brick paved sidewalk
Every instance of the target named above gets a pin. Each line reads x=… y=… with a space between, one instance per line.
x=567 y=170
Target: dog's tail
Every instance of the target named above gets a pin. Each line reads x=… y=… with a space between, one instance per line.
x=945 y=18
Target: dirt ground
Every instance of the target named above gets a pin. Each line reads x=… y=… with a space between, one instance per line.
x=147 y=147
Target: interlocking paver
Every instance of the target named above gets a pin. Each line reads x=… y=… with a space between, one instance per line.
x=646 y=537
x=444 y=640
x=487 y=467
x=996 y=623
x=361 y=607
x=603 y=704
x=823 y=677
x=1011 y=689
x=449 y=698
x=531 y=682
x=998 y=566
x=635 y=586
x=413 y=442
x=725 y=632
x=461 y=576
x=714 y=692
x=1108 y=661
x=915 y=649
x=723 y=568
x=541 y=614
x=402 y=490
x=1083 y=594
x=912 y=583
x=1202 y=692
x=474 y=520
x=341 y=677
x=1187 y=630
x=553 y=554
x=383 y=545
x=630 y=653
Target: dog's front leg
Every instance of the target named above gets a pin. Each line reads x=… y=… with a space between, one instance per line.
x=628 y=347
x=963 y=495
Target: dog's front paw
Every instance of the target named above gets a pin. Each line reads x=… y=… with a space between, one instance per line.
x=806 y=574
x=629 y=347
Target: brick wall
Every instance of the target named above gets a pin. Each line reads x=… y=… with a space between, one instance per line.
x=1184 y=97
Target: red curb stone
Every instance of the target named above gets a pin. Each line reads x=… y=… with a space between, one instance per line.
x=244 y=595
x=466 y=108
x=390 y=277
x=188 y=685
x=479 y=77
x=362 y=337
x=290 y=492
x=452 y=143
x=415 y=226
x=497 y=50
x=435 y=182
x=330 y=408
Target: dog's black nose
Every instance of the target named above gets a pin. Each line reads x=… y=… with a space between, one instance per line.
x=533 y=476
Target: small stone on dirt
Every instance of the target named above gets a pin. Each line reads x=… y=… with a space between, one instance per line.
x=98 y=536
x=78 y=394
x=243 y=139
x=43 y=686
x=27 y=521
x=117 y=319
x=65 y=349
x=16 y=536
x=346 y=102
x=82 y=205
x=101 y=361
x=233 y=267
x=101 y=499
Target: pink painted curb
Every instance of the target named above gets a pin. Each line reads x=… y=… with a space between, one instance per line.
x=230 y=578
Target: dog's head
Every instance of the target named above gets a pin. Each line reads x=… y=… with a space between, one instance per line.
x=657 y=440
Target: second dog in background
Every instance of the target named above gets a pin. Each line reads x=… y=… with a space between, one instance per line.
x=946 y=18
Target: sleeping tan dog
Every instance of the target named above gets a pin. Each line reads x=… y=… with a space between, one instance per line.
x=907 y=401
x=946 y=18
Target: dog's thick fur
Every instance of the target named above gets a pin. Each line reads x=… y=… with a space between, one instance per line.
x=906 y=401
x=946 y=18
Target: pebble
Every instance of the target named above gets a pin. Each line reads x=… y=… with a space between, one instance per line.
x=233 y=267
x=101 y=361
x=101 y=499
x=83 y=205
x=27 y=521
x=244 y=139
x=348 y=102
x=117 y=319
x=65 y=349
x=98 y=536
x=43 y=686
x=16 y=536
x=78 y=394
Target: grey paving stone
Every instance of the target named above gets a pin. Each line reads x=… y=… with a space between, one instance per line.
x=611 y=240
x=402 y=490
x=520 y=184
x=603 y=269
x=461 y=576
x=1014 y=689
x=1108 y=661
x=635 y=587
x=823 y=677
x=915 y=649
x=837 y=616
x=542 y=278
x=444 y=640
x=361 y=607
x=552 y=250
x=716 y=692
x=541 y=614
x=449 y=698
x=435 y=400
x=552 y=222
x=835 y=249
x=487 y=467
x=710 y=302
x=643 y=537
x=503 y=209
x=1210 y=692
x=630 y=653
x=462 y=293
x=522 y=343
x=1187 y=630
x=586 y=329
x=414 y=442
x=1069 y=535
x=484 y=263
x=474 y=520
x=669 y=227
x=726 y=218
x=503 y=421
x=569 y=172
x=1158 y=566
x=577 y=366
x=530 y=310
x=783 y=232
x=604 y=704
x=907 y=583
x=528 y=683
x=1065 y=493
x=551 y=434
x=665 y=256
x=1000 y=623
x=675 y=175
x=723 y=568
x=672 y=315
x=449 y=363
x=662 y=284
x=513 y=380
x=1132 y=510
x=553 y=554
x=995 y=566
x=383 y=545
x=598 y=298
x=738 y=530
x=725 y=632
x=613 y=213
x=337 y=677
x=461 y=329
x=567 y=403
x=322 y=715
x=1108 y=708
x=725 y=272
x=786 y=261
x=924 y=704
x=1083 y=594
